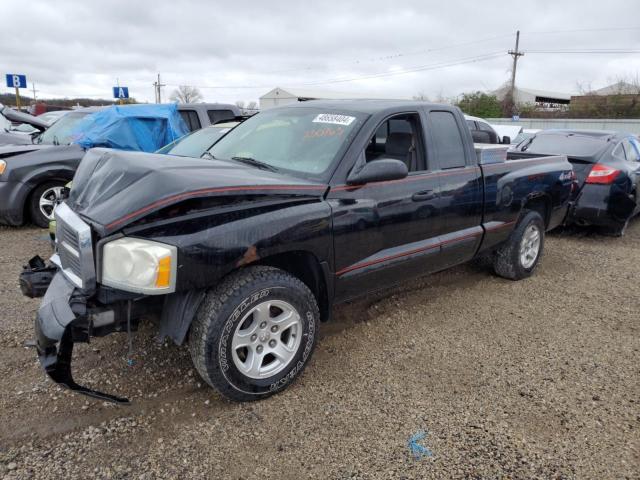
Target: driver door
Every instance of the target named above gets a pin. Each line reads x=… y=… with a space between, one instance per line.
x=385 y=232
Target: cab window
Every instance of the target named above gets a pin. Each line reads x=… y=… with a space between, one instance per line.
x=190 y=117
x=400 y=138
x=447 y=140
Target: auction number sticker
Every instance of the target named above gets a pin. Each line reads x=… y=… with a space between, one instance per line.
x=333 y=118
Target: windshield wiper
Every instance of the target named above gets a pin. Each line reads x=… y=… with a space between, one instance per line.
x=526 y=145
x=208 y=155
x=255 y=163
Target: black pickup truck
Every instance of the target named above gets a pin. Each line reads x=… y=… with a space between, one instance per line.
x=242 y=253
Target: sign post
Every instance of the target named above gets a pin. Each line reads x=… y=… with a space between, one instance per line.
x=17 y=81
x=120 y=93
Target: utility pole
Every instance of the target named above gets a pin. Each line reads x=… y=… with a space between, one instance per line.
x=158 y=86
x=33 y=85
x=515 y=54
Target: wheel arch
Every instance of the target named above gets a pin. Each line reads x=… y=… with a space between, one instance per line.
x=180 y=308
x=34 y=183
x=540 y=203
x=305 y=266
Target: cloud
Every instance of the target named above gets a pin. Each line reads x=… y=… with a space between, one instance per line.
x=71 y=48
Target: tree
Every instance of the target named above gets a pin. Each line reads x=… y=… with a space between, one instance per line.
x=252 y=105
x=480 y=104
x=240 y=104
x=186 y=94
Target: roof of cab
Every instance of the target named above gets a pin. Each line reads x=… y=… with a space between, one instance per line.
x=367 y=106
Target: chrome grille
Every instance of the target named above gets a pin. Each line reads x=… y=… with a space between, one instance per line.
x=75 y=249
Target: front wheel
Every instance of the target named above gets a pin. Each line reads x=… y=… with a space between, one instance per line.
x=519 y=256
x=43 y=200
x=254 y=333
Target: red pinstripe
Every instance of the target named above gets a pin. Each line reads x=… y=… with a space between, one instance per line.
x=203 y=191
x=418 y=250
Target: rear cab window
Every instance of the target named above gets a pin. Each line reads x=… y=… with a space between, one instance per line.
x=216 y=116
x=448 y=142
x=190 y=117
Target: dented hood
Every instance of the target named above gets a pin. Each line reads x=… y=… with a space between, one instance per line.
x=112 y=188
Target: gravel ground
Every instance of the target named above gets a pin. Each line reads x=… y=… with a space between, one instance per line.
x=531 y=379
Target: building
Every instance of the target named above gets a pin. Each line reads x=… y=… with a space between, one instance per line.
x=619 y=100
x=281 y=96
x=618 y=88
x=542 y=99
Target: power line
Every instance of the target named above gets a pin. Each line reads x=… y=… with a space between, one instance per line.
x=588 y=51
x=394 y=55
x=444 y=47
x=421 y=68
x=578 y=30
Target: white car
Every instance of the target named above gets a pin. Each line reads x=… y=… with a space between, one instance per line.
x=483 y=132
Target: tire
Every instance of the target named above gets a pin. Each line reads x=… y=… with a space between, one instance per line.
x=233 y=314
x=508 y=261
x=49 y=192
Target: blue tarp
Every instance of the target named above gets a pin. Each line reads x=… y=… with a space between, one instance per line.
x=143 y=128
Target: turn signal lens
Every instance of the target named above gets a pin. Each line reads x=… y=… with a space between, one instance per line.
x=3 y=165
x=163 y=277
x=602 y=174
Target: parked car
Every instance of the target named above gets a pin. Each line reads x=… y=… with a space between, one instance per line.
x=482 y=132
x=243 y=252
x=195 y=144
x=199 y=115
x=507 y=132
x=53 y=116
x=34 y=175
x=607 y=165
x=525 y=134
x=10 y=119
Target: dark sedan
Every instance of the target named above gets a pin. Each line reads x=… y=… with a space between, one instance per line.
x=32 y=176
x=607 y=166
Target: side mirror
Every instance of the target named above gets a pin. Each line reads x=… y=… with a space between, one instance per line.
x=506 y=140
x=379 y=170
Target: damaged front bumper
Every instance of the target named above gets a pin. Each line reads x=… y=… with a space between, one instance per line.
x=63 y=319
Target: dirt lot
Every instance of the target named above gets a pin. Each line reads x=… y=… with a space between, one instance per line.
x=532 y=379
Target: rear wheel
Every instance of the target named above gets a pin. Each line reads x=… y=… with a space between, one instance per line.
x=519 y=256
x=254 y=333
x=43 y=200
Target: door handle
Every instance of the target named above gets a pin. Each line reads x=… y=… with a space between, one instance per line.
x=422 y=196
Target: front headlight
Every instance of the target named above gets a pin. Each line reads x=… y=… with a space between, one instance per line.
x=139 y=266
x=3 y=166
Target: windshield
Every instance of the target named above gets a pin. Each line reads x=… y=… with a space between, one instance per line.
x=60 y=132
x=303 y=141
x=196 y=143
x=564 y=144
x=522 y=136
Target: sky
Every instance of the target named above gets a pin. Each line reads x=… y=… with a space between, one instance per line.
x=240 y=50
